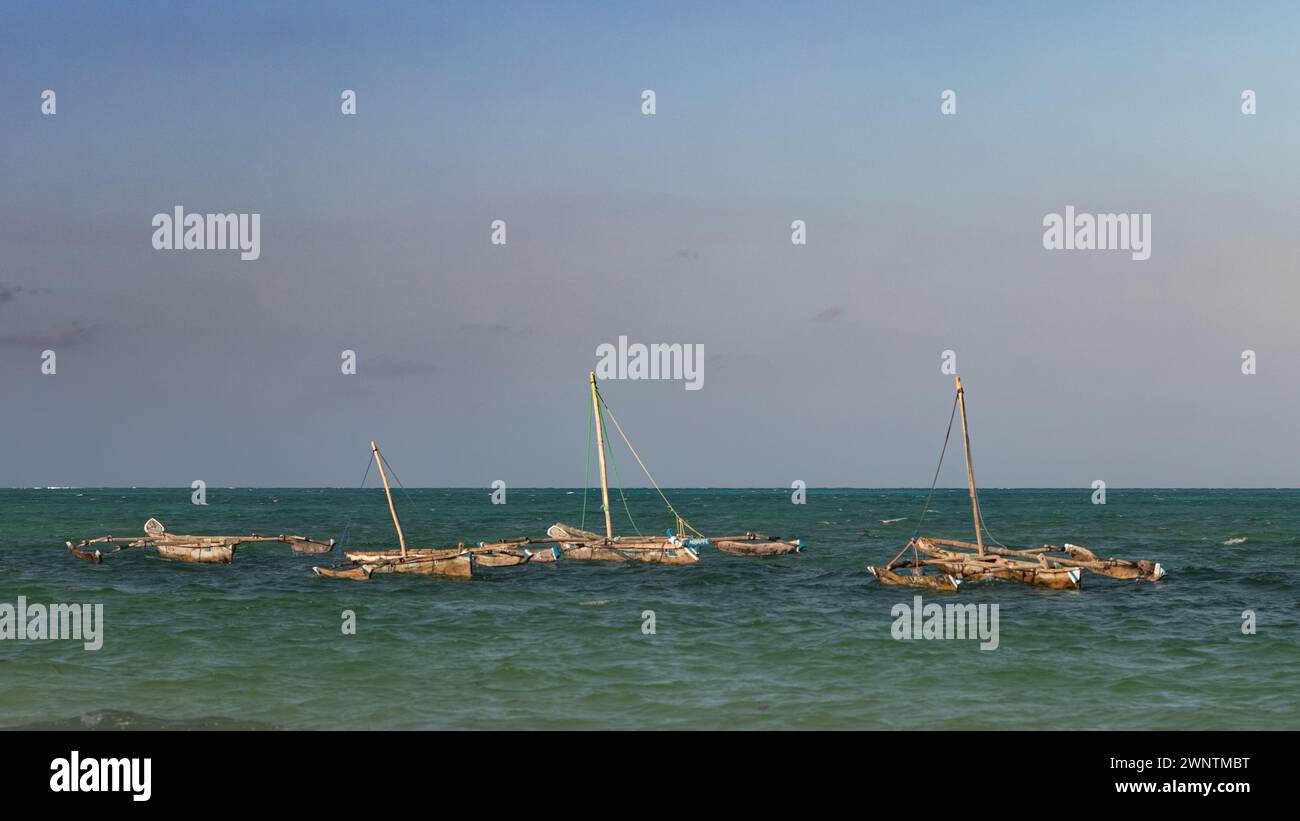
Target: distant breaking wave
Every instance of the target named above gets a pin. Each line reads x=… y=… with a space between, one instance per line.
x=1236 y=540
x=891 y=521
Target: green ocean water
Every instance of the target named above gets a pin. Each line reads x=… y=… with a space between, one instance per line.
x=776 y=643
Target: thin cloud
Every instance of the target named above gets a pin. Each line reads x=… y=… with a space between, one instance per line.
x=8 y=293
x=74 y=334
x=830 y=314
x=497 y=328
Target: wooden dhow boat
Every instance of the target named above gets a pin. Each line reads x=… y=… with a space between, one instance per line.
x=185 y=548
x=680 y=545
x=456 y=562
x=957 y=561
x=583 y=545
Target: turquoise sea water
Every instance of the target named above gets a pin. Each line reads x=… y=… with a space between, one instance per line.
x=786 y=642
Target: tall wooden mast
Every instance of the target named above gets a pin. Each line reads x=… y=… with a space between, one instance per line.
x=379 y=460
x=600 y=448
x=970 y=469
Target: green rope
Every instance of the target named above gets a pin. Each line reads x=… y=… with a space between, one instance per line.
x=610 y=455
x=586 y=468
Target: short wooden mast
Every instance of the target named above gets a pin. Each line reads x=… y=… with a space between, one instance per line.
x=600 y=449
x=379 y=460
x=970 y=469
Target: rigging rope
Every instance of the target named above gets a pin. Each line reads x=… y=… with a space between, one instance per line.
x=646 y=470
x=952 y=415
x=347 y=528
x=609 y=453
x=983 y=525
x=934 y=481
x=411 y=502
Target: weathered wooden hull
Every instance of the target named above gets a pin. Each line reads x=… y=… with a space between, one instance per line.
x=1055 y=578
x=500 y=558
x=946 y=582
x=755 y=546
x=200 y=554
x=537 y=550
x=425 y=553
x=1112 y=567
x=308 y=545
x=356 y=572
x=453 y=562
x=582 y=545
x=667 y=553
x=459 y=567
x=973 y=566
x=1127 y=570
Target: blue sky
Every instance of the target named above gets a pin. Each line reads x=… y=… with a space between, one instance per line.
x=822 y=361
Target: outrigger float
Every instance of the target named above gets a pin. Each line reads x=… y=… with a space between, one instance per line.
x=183 y=548
x=457 y=562
x=755 y=544
x=677 y=546
x=958 y=561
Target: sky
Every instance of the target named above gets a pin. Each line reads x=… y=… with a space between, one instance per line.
x=822 y=361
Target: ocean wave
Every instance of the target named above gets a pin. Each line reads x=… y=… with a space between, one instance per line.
x=1236 y=540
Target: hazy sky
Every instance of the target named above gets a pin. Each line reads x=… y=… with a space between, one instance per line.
x=822 y=361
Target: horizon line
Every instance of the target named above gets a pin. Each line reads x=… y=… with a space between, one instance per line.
x=489 y=488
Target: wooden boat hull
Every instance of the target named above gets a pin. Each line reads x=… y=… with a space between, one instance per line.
x=973 y=566
x=200 y=554
x=452 y=562
x=582 y=545
x=356 y=572
x=308 y=545
x=665 y=554
x=458 y=567
x=946 y=582
x=1056 y=578
x=1112 y=567
x=500 y=558
x=548 y=556
x=537 y=553
x=1123 y=569
x=755 y=546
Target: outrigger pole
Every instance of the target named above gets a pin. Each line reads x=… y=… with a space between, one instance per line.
x=970 y=469
x=379 y=460
x=600 y=449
